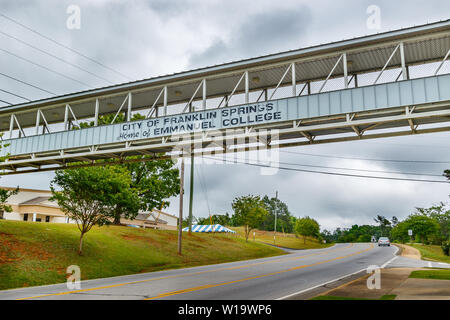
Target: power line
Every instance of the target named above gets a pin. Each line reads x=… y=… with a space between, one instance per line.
x=26 y=83
x=367 y=159
x=204 y=188
x=6 y=102
x=64 y=46
x=54 y=56
x=13 y=94
x=354 y=169
x=330 y=173
x=45 y=68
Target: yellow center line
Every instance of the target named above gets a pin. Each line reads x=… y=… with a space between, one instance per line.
x=172 y=293
x=185 y=275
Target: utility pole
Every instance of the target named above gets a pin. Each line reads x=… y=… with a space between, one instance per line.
x=180 y=217
x=191 y=184
x=191 y=192
x=276 y=211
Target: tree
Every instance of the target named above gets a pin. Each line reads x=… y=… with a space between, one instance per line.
x=400 y=232
x=394 y=221
x=153 y=180
x=4 y=195
x=422 y=226
x=327 y=236
x=385 y=225
x=89 y=195
x=307 y=227
x=249 y=211
x=222 y=219
x=441 y=214
x=277 y=207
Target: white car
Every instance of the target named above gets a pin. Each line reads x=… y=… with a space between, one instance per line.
x=384 y=241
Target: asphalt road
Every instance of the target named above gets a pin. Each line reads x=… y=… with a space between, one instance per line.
x=268 y=278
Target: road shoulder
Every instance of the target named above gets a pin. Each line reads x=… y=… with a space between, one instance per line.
x=409 y=252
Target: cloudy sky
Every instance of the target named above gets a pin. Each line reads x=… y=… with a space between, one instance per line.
x=142 y=39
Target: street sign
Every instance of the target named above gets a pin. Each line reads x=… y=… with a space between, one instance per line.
x=409 y=232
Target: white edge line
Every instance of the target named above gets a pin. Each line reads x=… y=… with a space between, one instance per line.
x=337 y=279
x=320 y=285
x=395 y=257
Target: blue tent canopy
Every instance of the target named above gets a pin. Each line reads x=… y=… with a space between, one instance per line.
x=208 y=228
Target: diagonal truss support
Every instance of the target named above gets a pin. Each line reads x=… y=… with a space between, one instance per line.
x=153 y=109
x=404 y=71
x=203 y=86
x=66 y=117
x=442 y=62
x=11 y=126
x=127 y=98
x=227 y=99
x=342 y=57
x=39 y=114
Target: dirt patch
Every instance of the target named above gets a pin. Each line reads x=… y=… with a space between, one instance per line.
x=132 y=237
x=227 y=239
x=196 y=237
x=169 y=236
x=13 y=249
x=409 y=252
x=7 y=242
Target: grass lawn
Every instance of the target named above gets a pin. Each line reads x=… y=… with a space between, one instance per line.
x=431 y=274
x=33 y=253
x=287 y=240
x=431 y=252
x=385 y=297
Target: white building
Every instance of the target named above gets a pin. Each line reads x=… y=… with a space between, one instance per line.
x=34 y=205
x=156 y=219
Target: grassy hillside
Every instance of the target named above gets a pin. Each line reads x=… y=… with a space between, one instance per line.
x=438 y=274
x=431 y=252
x=286 y=240
x=38 y=253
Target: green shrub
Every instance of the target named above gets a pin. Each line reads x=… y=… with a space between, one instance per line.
x=446 y=247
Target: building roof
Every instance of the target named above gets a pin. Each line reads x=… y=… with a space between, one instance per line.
x=152 y=217
x=26 y=189
x=35 y=201
x=165 y=213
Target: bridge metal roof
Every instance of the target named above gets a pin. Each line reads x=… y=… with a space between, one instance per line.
x=422 y=44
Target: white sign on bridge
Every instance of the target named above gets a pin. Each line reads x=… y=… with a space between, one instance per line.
x=239 y=116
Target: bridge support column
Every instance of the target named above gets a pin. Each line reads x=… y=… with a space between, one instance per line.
x=180 y=216
x=405 y=74
x=97 y=106
x=344 y=65
x=129 y=107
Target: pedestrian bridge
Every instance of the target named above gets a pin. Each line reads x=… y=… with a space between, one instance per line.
x=384 y=85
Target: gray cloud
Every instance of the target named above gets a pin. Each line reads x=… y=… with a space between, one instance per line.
x=259 y=34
